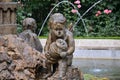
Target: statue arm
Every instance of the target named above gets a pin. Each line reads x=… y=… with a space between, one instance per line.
x=71 y=44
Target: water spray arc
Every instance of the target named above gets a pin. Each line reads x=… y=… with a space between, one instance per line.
x=78 y=13
x=54 y=8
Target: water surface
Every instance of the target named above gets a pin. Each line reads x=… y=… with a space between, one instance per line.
x=99 y=67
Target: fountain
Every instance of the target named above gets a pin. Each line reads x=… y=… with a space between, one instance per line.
x=20 y=58
x=100 y=68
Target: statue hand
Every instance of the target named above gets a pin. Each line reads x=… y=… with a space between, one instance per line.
x=63 y=54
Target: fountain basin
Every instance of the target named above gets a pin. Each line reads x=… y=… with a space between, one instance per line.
x=109 y=68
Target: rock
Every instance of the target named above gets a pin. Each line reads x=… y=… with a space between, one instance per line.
x=71 y=74
x=18 y=60
x=5 y=75
x=3 y=66
x=4 y=57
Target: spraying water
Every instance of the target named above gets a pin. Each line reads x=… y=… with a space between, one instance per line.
x=79 y=18
x=54 y=8
x=78 y=13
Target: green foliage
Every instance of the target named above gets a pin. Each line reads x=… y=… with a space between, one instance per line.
x=37 y=9
x=20 y=17
x=103 y=25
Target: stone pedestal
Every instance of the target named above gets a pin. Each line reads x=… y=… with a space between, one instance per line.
x=71 y=74
x=8 y=18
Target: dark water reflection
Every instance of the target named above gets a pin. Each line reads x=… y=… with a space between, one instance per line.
x=99 y=68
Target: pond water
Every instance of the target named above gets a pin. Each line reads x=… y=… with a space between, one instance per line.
x=99 y=67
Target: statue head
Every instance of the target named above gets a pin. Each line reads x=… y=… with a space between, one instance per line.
x=29 y=23
x=57 y=24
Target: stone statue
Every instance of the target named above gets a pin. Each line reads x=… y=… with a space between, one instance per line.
x=29 y=23
x=60 y=44
x=29 y=27
x=21 y=55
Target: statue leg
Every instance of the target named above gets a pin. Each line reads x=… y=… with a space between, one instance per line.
x=49 y=70
x=69 y=60
x=62 y=67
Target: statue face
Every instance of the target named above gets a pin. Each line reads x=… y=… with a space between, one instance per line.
x=58 y=29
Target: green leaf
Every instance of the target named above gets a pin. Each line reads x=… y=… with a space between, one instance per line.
x=83 y=1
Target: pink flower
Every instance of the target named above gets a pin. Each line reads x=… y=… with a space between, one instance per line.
x=98 y=12
x=74 y=11
x=106 y=11
x=79 y=6
x=77 y=2
x=110 y=11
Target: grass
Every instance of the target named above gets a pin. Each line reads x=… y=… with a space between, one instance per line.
x=44 y=37
x=97 y=37
x=92 y=77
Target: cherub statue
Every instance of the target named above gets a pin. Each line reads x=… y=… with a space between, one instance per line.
x=28 y=34
x=59 y=34
x=29 y=24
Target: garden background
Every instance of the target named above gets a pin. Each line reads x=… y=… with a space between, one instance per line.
x=103 y=20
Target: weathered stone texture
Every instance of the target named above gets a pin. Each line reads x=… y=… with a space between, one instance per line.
x=71 y=74
x=18 y=60
x=32 y=39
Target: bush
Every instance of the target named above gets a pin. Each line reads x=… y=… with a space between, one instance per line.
x=97 y=21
